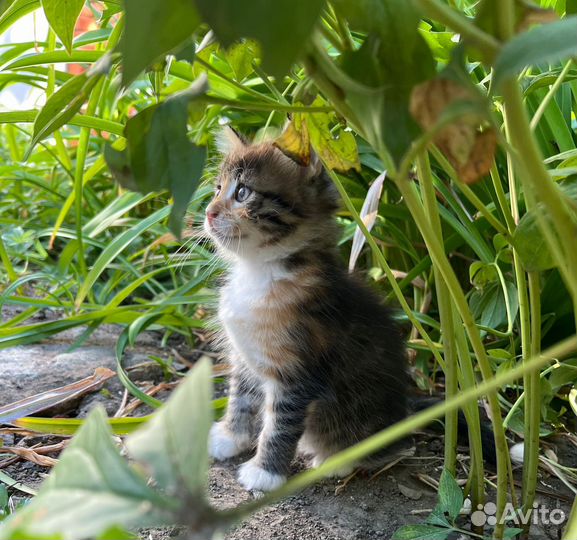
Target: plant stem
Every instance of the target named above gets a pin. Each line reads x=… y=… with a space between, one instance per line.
x=532 y=383
x=272 y=106
x=446 y=317
x=538 y=184
x=550 y=94
x=439 y=258
x=232 y=82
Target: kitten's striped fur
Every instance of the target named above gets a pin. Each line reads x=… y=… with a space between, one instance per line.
x=316 y=358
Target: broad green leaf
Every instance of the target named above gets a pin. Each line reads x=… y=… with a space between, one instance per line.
x=90 y=490
x=281 y=27
x=450 y=495
x=380 y=82
x=547 y=43
x=173 y=444
x=421 y=532
x=62 y=106
x=159 y=155
x=481 y=274
x=488 y=304
x=62 y=16
x=338 y=150
x=154 y=28
x=529 y=241
x=531 y=245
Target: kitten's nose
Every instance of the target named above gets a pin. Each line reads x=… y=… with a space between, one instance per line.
x=211 y=215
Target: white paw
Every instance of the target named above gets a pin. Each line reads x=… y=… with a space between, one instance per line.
x=254 y=478
x=222 y=444
x=517 y=453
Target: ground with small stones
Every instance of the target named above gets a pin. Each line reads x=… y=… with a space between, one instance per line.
x=364 y=508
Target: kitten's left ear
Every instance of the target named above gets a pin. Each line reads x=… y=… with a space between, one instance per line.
x=315 y=166
x=228 y=140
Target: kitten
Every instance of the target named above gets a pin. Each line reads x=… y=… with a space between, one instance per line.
x=315 y=356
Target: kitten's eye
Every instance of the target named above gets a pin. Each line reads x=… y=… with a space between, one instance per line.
x=242 y=193
x=217 y=189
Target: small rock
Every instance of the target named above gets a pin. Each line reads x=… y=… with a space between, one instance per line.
x=410 y=493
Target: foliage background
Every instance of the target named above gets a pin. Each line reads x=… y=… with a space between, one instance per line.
x=97 y=177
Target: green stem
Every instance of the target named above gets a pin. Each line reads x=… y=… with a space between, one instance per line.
x=232 y=82
x=470 y=194
x=538 y=185
x=550 y=95
x=532 y=383
x=273 y=106
x=471 y=411
x=439 y=258
x=571 y=528
x=446 y=317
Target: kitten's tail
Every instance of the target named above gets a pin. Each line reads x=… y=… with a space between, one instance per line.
x=419 y=403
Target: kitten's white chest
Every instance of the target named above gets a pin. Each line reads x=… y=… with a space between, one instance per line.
x=244 y=307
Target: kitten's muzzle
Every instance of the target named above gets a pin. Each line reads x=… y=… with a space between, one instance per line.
x=211 y=216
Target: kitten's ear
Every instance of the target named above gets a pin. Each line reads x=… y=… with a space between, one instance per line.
x=228 y=140
x=315 y=166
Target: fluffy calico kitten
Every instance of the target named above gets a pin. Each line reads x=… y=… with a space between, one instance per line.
x=315 y=356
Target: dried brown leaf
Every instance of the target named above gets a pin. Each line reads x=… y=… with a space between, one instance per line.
x=468 y=149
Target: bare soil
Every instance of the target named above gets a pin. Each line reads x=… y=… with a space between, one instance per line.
x=366 y=507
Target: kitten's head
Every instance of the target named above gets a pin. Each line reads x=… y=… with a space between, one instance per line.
x=266 y=206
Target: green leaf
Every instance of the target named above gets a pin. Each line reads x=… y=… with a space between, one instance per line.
x=159 y=155
x=173 y=444
x=481 y=274
x=488 y=305
x=154 y=28
x=12 y=11
x=114 y=248
x=450 y=495
x=61 y=107
x=62 y=16
x=421 y=532
x=90 y=490
x=337 y=150
x=69 y=426
x=548 y=43
x=381 y=82
x=281 y=27
x=531 y=245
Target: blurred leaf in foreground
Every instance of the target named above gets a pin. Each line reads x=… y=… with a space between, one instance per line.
x=281 y=27
x=93 y=490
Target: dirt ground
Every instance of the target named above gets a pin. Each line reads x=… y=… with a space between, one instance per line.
x=365 y=508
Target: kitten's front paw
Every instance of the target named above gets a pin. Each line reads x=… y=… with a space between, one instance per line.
x=222 y=444
x=252 y=477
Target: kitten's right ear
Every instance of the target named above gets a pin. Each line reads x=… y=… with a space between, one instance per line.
x=228 y=140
